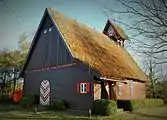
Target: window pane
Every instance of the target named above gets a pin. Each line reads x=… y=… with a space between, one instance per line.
x=83 y=87
x=131 y=87
x=119 y=88
x=45 y=31
x=50 y=29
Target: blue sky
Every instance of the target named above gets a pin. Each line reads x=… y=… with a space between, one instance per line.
x=19 y=16
x=23 y=16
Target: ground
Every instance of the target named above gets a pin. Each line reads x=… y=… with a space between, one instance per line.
x=15 y=112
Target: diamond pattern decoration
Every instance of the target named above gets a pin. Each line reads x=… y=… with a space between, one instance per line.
x=45 y=93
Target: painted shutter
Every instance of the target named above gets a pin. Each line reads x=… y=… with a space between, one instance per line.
x=78 y=88
x=88 y=87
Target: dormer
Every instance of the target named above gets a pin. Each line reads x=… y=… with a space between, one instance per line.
x=115 y=33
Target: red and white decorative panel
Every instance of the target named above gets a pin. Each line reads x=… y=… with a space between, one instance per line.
x=111 y=31
x=45 y=93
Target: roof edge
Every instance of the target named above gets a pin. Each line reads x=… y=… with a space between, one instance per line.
x=123 y=79
x=37 y=31
x=49 y=10
x=32 y=44
x=114 y=80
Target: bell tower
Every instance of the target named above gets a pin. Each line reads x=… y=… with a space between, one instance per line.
x=115 y=33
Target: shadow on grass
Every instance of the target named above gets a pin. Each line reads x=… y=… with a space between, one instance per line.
x=9 y=107
x=36 y=117
x=45 y=115
x=18 y=113
x=151 y=116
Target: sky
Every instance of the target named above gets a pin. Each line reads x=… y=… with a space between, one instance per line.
x=23 y=16
x=19 y=16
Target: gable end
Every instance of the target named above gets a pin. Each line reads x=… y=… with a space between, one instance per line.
x=48 y=47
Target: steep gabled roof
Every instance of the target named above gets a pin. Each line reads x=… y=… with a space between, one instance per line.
x=97 y=50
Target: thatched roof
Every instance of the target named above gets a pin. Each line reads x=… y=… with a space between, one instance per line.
x=120 y=31
x=97 y=50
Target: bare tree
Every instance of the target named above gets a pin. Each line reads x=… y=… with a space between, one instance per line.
x=149 y=26
x=152 y=70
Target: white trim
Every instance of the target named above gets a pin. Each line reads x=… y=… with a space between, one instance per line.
x=110 y=79
x=131 y=85
x=50 y=29
x=83 y=87
x=119 y=88
x=45 y=31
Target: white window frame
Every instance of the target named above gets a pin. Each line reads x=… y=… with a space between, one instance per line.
x=119 y=88
x=12 y=76
x=45 y=31
x=83 y=87
x=131 y=87
x=50 y=29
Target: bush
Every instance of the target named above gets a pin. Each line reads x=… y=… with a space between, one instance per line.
x=137 y=104
x=66 y=104
x=165 y=100
x=59 y=105
x=104 y=107
x=27 y=101
x=36 y=100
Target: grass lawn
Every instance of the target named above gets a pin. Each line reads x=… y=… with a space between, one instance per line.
x=159 y=113
x=15 y=112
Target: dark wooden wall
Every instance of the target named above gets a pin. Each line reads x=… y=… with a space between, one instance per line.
x=63 y=85
x=49 y=49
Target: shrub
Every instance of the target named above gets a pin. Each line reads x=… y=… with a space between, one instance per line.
x=27 y=101
x=36 y=100
x=59 y=105
x=165 y=100
x=104 y=107
x=137 y=104
x=66 y=104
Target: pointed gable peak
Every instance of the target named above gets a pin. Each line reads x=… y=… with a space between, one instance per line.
x=49 y=10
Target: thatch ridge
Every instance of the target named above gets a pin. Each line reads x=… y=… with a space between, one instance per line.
x=97 y=50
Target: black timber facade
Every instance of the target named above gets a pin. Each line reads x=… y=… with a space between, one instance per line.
x=49 y=49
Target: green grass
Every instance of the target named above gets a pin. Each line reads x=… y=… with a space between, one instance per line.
x=157 y=113
x=16 y=112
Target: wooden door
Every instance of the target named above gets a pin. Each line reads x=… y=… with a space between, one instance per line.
x=45 y=93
